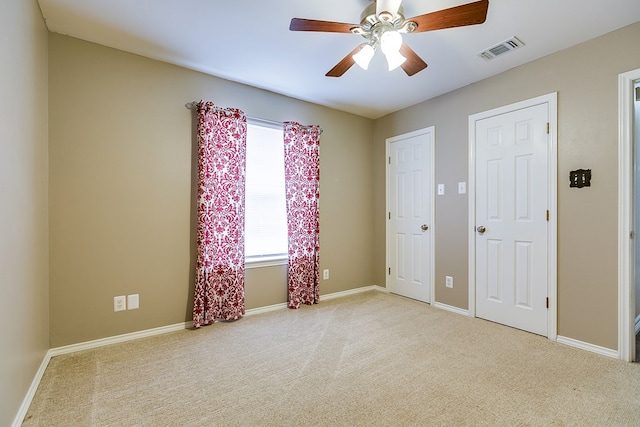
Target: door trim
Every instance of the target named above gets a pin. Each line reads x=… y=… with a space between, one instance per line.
x=552 y=101
x=626 y=278
x=432 y=210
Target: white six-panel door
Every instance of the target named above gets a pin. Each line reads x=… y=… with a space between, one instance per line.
x=511 y=196
x=409 y=214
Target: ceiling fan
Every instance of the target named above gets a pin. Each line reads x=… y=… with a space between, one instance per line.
x=382 y=24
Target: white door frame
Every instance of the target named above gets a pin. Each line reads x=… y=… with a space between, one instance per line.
x=626 y=279
x=432 y=174
x=552 y=100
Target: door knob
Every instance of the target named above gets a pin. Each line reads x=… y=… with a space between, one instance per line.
x=481 y=229
x=424 y=227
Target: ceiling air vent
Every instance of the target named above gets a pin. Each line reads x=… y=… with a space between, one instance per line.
x=501 y=48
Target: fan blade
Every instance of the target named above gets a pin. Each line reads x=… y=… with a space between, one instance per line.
x=346 y=63
x=389 y=6
x=414 y=63
x=300 y=24
x=459 y=16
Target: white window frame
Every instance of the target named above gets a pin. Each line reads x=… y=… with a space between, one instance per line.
x=265 y=260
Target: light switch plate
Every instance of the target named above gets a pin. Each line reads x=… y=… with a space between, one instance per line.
x=133 y=302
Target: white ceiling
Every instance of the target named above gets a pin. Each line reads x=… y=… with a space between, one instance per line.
x=249 y=41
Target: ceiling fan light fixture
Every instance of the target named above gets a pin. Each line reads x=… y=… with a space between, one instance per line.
x=390 y=44
x=394 y=60
x=364 y=56
x=390 y=41
x=382 y=22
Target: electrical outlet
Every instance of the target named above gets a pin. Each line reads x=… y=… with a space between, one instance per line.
x=133 y=302
x=462 y=187
x=119 y=303
x=448 y=281
x=440 y=189
x=325 y=274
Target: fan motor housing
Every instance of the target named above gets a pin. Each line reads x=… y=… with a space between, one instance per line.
x=368 y=17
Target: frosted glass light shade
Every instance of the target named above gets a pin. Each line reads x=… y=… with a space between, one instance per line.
x=364 y=55
x=394 y=60
x=390 y=43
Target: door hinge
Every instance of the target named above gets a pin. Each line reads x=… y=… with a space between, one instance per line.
x=547 y=214
x=390 y=158
x=547 y=302
x=389 y=271
x=547 y=128
x=389 y=215
x=631 y=235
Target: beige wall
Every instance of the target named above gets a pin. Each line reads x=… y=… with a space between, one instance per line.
x=24 y=312
x=121 y=170
x=585 y=78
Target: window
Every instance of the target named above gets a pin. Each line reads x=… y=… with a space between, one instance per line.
x=265 y=212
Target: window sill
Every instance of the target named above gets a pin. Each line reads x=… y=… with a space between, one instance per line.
x=266 y=261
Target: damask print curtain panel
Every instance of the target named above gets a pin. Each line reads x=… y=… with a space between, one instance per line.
x=302 y=183
x=219 y=287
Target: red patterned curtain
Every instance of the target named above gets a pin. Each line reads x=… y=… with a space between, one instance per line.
x=219 y=287
x=302 y=182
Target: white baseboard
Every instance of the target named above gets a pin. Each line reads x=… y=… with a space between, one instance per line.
x=588 y=347
x=352 y=292
x=450 y=308
x=31 y=392
x=326 y=297
x=265 y=309
x=57 y=351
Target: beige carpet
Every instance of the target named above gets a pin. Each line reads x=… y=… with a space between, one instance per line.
x=366 y=360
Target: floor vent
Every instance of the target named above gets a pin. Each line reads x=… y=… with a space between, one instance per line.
x=501 y=48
